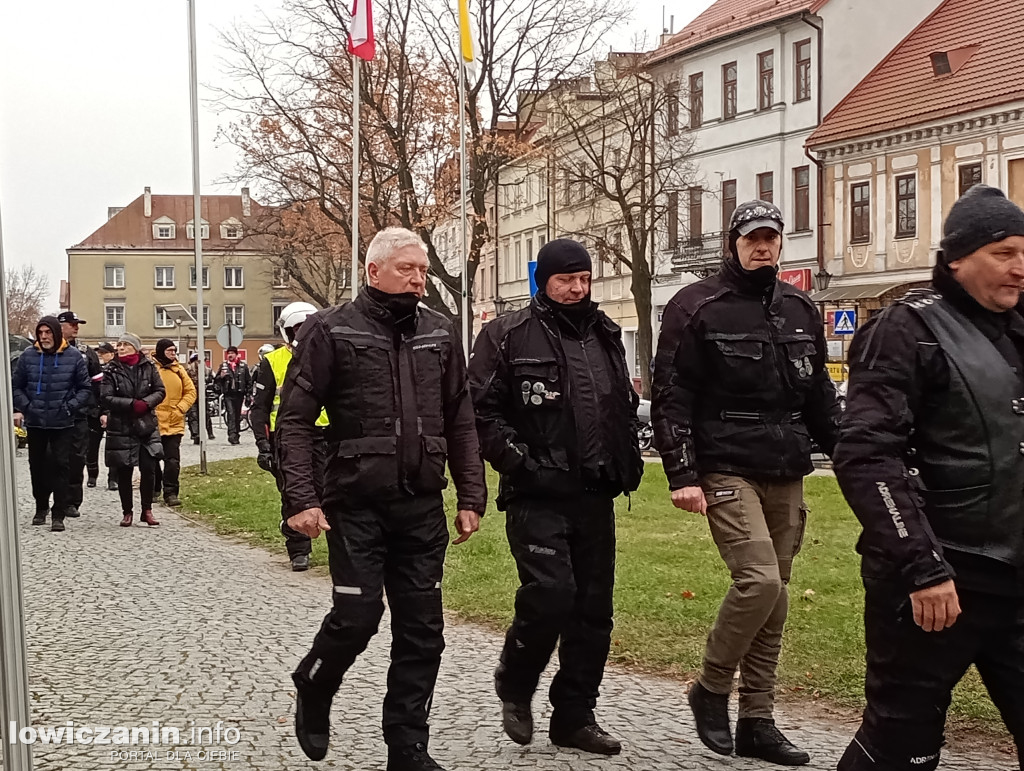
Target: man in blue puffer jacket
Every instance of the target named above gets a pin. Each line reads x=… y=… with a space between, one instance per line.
x=51 y=383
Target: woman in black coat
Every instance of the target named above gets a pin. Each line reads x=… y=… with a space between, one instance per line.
x=130 y=389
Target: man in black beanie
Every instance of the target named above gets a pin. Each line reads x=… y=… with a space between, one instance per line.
x=931 y=460
x=556 y=416
x=740 y=391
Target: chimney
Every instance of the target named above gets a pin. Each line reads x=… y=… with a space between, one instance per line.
x=149 y=203
x=112 y=210
x=246 y=203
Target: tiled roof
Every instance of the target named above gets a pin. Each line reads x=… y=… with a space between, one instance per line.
x=727 y=17
x=903 y=90
x=130 y=228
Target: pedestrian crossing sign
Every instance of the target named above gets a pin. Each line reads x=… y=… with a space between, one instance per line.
x=845 y=322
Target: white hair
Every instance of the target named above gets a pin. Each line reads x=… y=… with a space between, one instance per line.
x=390 y=240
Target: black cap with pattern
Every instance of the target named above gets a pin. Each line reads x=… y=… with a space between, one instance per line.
x=752 y=215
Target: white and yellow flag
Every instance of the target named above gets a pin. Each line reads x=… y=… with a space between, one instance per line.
x=467 y=40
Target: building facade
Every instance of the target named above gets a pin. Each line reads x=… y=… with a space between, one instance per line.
x=943 y=112
x=136 y=273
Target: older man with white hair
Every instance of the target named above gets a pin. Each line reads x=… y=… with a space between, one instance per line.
x=392 y=377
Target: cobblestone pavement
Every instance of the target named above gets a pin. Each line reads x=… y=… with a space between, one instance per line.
x=174 y=624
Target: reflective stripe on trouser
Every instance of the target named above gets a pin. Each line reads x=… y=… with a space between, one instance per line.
x=758 y=528
x=565 y=554
x=398 y=547
x=911 y=675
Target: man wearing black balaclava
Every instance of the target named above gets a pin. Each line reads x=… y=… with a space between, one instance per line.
x=392 y=377
x=740 y=391
x=556 y=415
x=931 y=460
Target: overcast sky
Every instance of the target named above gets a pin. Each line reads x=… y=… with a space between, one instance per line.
x=94 y=106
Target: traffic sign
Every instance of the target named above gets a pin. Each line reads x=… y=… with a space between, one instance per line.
x=229 y=335
x=845 y=322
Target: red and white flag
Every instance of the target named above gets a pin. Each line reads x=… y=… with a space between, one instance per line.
x=361 y=42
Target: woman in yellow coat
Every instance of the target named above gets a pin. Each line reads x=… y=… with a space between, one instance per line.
x=181 y=394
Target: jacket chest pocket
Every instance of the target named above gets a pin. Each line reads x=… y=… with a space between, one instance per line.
x=536 y=385
x=800 y=355
x=371 y=363
x=742 y=365
x=426 y=363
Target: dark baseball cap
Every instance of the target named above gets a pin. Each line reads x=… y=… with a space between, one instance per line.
x=752 y=215
x=106 y=348
x=69 y=317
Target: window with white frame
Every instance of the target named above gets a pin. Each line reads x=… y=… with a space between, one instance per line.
x=163 y=232
x=234 y=314
x=206 y=315
x=192 y=277
x=204 y=229
x=280 y=278
x=233 y=278
x=164 y=278
x=113 y=277
x=161 y=319
x=275 y=311
x=113 y=318
x=231 y=230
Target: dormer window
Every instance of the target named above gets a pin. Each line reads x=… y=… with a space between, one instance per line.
x=231 y=229
x=949 y=62
x=164 y=229
x=204 y=229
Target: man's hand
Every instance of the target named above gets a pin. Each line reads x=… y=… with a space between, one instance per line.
x=18 y=419
x=309 y=522
x=466 y=523
x=690 y=499
x=937 y=607
x=103 y=421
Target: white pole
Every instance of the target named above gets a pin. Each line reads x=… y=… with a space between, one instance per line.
x=14 y=704
x=197 y=228
x=356 y=67
x=462 y=195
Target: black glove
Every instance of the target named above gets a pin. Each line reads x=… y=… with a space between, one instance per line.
x=265 y=459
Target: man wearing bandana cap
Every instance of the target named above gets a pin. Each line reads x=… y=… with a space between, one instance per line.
x=740 y=391
x=556 y=415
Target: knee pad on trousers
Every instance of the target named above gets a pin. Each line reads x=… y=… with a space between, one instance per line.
x=418 y=618
x=545 y=601
x=861 y=756
x=354 y=617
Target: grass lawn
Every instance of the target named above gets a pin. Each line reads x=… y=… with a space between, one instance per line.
x=669 y=581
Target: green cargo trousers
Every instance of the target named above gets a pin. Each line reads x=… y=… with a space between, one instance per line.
x=758 y=527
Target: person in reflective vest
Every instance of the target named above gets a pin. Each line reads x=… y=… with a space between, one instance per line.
x=263 y=418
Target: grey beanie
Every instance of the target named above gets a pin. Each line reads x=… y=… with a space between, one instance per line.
x=982 y=216
x=132 y=340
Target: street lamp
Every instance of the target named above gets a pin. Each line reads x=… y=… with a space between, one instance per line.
x=500 y=306
x=822 y=279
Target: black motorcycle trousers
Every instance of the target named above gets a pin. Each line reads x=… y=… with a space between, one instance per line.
x=397 y=547
x=565 y=554
x=911 y=675
x=76 y=463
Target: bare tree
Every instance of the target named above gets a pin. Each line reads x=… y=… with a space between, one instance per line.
x=620 y=154
x=27 y=289
x=290 y=109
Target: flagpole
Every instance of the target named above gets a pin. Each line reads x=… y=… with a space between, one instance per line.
x=14 y=693
x=462 y=197
x=197 y=230
x=355 y=175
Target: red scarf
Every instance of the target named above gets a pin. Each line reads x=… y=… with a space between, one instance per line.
x=131 y=359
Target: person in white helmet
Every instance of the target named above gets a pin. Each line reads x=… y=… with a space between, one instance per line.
x=266 y=402
x=255 y=372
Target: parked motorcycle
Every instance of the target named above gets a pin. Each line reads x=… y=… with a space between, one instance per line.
x=645 y=434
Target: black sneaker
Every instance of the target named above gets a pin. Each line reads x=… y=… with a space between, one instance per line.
x=72 y=511
x=517 y=721
x=758 y=737
x=91 y=482
x=412 y=758
x=172 y=500
x=711 y=714
x=300 y=562
x=40 y=517
x=312 y=723
x=57 y=526
x=111 y=484
x=589 y=738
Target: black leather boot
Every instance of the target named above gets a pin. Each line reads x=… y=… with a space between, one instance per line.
x=312 y=722
x=412 y=758
x=711 y=714
x=517 y=720
x=757 y=737
x=589 y=738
